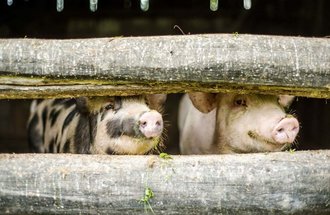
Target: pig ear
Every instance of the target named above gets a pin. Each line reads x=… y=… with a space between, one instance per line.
x=81 y=104
x=204 y=102
x=156 y=101
x=285 y=100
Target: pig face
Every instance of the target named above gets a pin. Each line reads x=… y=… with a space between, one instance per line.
x=249 y=123
x=126 y=126
x=100 y=125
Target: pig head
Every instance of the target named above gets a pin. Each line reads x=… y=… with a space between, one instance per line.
x=97 y=125
x=235 y=123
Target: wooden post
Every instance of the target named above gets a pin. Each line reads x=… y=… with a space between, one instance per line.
x=283 y=182
x=33 y=68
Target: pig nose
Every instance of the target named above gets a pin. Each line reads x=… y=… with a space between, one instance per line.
x=151 y=124
x=286 y=130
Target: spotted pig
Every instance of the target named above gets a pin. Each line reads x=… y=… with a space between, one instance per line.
x=99 y=125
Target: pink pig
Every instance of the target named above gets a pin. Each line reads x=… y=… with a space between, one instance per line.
x=235 y=123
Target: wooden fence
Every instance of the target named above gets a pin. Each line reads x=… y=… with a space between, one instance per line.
x=32 y=68
x=273 y=183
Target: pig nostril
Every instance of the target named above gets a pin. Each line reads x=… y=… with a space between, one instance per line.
x=150 y=124
x=143 y=123
x=280 y=130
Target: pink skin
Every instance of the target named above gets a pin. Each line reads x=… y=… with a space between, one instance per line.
x=286 y=131
x=235 y=123
x=151 y=124
x=254 y=123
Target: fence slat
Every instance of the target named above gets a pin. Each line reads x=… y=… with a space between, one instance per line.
x=283 y=182
x=212 y=63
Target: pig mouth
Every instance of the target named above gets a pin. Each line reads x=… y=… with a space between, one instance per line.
x=139 y=137
x=254 y=135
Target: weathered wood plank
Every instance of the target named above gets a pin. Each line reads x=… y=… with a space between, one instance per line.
x=273 y=183
x=213 y=63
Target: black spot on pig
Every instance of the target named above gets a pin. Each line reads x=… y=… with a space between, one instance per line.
x=44 y=117
x=38 y=101
x=114 y=128
x=57 y=102
x=53 y=116
x=66 y=147
x=93 y=125
x=85 y=133
x=69 y=118
x=128 y=127
x=52 y=146
x=131 y=127
x=67 y=103
x=118 y=103
x=110 y=151
x=58 y=144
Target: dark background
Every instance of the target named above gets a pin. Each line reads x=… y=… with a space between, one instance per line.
x=39 y=19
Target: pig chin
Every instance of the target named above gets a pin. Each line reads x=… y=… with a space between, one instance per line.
x=266 y=144
x=129 y=145
x=126 y=145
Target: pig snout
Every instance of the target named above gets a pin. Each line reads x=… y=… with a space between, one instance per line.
x=286 y=130
x=151 y=124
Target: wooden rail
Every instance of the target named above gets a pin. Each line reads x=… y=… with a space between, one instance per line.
x=34 y=68
x=273 y=183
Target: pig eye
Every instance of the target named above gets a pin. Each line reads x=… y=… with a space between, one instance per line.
x=109 y=107
x=240 y=102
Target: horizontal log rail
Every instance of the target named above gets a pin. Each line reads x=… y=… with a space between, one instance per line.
x=34 y=68
x=271 y=183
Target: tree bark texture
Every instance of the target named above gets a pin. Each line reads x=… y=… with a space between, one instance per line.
x=33 y=68
x=273 y=183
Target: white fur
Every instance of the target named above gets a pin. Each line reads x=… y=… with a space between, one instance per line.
x=196 y=129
